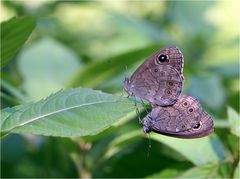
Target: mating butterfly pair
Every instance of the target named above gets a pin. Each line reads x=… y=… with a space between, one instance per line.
x=159 y=80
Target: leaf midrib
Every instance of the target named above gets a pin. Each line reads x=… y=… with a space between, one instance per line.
x=53 y=113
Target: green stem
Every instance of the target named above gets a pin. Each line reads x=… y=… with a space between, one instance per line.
x=79 y=159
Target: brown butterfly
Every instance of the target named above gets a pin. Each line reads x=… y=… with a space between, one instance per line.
x=184 y=119
x=159 y=79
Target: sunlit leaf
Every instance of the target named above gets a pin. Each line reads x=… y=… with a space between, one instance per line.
x=199 y=151
x=189 y=16
x=50 y=70
x=234 y=120
x=167 y=173
x=5 y=113
x=202 y=171
x=72 y=112
x=237 y=171
x=14 y=33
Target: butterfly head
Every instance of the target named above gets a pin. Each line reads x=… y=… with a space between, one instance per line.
x=147 y=123
x=127 y=86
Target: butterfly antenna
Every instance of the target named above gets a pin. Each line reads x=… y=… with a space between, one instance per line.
x=122 y=93
x=149 y=145
x=138 y=114
x=125 y=77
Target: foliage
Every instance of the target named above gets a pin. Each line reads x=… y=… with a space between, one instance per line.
x=10 y=36
x=66 y=82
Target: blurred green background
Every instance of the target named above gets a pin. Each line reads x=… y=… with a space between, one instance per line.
x=88 y=44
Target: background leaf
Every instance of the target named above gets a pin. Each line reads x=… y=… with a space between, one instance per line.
x=202 y=171
x=97 y=72
x=72 y=112
x=13 y=35
x=199 y=151
x=46 y=73
x=209 y=90
x=234 y=118
x=237 y=171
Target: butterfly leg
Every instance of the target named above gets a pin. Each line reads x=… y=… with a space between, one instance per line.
x=149 y=145
x=139 y=117
x=122 y=93
x=144 y=106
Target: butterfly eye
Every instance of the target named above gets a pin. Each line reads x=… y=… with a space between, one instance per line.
x=155 y=70
x=163 y=58
x=197 y=126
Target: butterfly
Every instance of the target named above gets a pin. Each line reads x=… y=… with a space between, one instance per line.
x=159 y=79
x=184 y=119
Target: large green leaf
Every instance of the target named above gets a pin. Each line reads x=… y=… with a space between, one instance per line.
x=97 y=72
x=167 y=173
x=5 y=113
x=234 y=118
x=14 y=33
x=199 y=151
x=237 y=171
x=72 y=112
x=202 y=171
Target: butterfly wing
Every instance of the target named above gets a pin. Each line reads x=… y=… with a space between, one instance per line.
x=169 y=56
x=160 y=83
x=185 y=119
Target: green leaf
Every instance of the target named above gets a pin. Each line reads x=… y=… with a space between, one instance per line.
x=72 y=112
x=233 y=118
x=51 y=69
x=237 y=171
x=202 y=171
x=97 y=72
x=21 y=98
x=189 y=16
x=198 y=151
x=167 y=173
x=116 y=144
x=209 y=90
x=228 y=70
x=5 y=113
x=14 y=33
